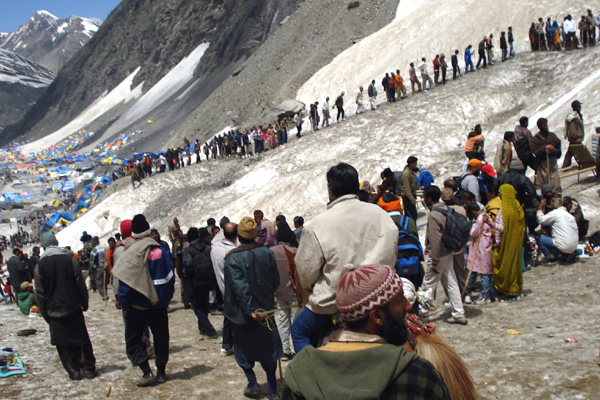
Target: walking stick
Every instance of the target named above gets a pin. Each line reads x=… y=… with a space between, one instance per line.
x=548 y=167
x=104 y=284
x=472 y=263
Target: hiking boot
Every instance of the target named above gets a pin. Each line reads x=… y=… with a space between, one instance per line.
x=570 y=259
x=225 y=353
x=161 y=376
x=252 y=391
x=457 y=320
x=147 y=380
x=482 y=301
x=273 y=396
x=212 y=335
x=548 y=260
x=75 y=376
x=90 y=373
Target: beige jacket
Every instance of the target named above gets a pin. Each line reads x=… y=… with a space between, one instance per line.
x=436 y=227
x=349 y=232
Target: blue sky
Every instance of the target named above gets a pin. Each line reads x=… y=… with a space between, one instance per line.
x=17 y=12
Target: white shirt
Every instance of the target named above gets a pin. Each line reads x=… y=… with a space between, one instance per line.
x=564 y=228
x=217 y=256
x=325 y=106
x=570 y=26
x=423 y=67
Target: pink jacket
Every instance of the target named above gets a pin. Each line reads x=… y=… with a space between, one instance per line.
x=482 y=232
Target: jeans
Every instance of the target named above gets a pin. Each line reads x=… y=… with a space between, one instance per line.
x=486 y=283
x=468 y=64
x=286 y=319
x=307 y=328
x=547 y=247
x=512 y=50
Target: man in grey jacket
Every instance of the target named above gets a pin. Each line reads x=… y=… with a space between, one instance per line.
x=439 y=263
x=348 y=232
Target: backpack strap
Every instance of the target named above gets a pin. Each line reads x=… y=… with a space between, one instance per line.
x=404 y=222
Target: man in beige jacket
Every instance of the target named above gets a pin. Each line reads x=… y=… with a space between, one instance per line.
x=348 y=232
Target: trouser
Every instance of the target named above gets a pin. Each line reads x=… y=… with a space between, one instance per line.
x=93 y=280
x=414 y=81
x=400 y=92
x=571 y=41
x=286 y=319
x=481 y=58
x=409 y=208
x=135 y=324
x=490 y=56
x=504 y=54
x=200 y=305
x=447 y=277
x=270 y=369
x=426 y=78
x=467 y=65
x=455 y=72
x=392 y=95
x=444 y=75
x=77 y=358
x=547 y=246
x=436 y=77
x=185 y=296
x=101 y=277
x=227 y=335
x=308 y=327
x=340 y=113
x=325 y=121
x=542 y=41
x=373 y=101
x=512 y=49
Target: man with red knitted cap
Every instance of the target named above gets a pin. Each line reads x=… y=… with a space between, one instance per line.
x=368 y=359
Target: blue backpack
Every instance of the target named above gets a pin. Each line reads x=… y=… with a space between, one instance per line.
x=410 y=251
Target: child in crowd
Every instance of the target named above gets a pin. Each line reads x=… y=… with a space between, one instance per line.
x=480 y=252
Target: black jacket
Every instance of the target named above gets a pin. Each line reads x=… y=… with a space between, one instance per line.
x=18 y=273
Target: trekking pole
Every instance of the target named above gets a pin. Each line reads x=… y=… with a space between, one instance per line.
x=472 y=263
x=104 y=285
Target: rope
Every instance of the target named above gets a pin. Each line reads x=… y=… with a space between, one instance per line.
x=267 y=315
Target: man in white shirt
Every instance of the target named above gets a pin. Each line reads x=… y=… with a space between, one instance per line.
x=325 y=108
x=565 y=234
x=571 y=30
x=217 y=255
x=424 y=75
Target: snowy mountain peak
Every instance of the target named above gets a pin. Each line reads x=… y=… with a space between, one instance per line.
x=48 y=40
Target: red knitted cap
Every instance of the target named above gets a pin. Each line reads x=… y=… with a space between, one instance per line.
x=364 y=288
x=126 y=228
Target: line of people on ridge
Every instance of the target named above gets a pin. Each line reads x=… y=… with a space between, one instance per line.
x=549 y=35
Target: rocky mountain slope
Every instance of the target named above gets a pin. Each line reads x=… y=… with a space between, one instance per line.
x=154 y=36
x=21 y=83
x=48 y=40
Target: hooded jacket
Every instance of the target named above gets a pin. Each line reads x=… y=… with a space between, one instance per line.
x=363 y=371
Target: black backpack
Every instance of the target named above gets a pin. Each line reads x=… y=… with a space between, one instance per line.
x=410 y=251
x=458 y=229
x=197 y=265
x=459 y=190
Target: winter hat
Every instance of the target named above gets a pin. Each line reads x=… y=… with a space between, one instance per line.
x=389 y=206
x=203 y=233
x=410 y=293
x=247 y=228
x=547 y=188
x=140 y=227
x=473 y=162
x=48 y=239
x=95 y=240
x=224 y=221
x=125 y=228
x=488 y=169
x=365 y=288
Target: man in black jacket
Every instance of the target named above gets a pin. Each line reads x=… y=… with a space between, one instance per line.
x=455 y=68
x=62 y=296
x=18 y=272
x=199 y=276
